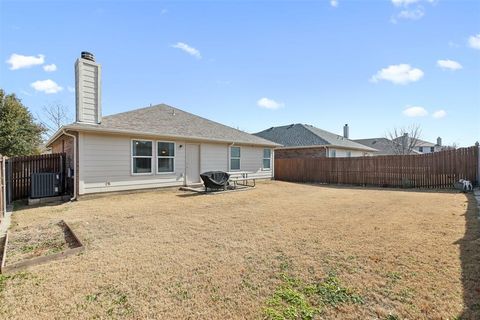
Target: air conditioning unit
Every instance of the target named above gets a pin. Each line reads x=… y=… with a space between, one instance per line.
x=45 y=184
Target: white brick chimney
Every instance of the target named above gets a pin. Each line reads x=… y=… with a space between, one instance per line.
x=88 y=89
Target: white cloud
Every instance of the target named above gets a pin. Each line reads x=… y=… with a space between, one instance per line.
x=415 y=112
x=18 y=61
x=474 y=41
x=269 y=104
x=398 y=74
x=71 y=89
x=334 y=3
x=50 y=67
x=411 y=14
x=48 y=86
x=188 y=49
x=439 y=114
x=449 y=64
x=400 y=3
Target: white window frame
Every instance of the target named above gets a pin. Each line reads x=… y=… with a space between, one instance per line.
x=270 y=159
x=166 y=157
x=230 y=158
x=332 y=153
x=133 y=157
x=349 y=154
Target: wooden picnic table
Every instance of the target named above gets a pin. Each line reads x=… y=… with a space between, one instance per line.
x=241 y=178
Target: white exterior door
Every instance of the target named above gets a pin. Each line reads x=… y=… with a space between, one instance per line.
x=192 y=163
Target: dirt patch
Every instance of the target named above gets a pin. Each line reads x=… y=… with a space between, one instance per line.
x=275 y=251
x=37 y=241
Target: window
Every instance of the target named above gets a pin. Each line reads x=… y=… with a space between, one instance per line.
x=420 y=149
x=141 y=157
x=267 y=159
x=333 y=153
x=432 y=149
x=349 y=154
x=234 y=158
x=165 y=157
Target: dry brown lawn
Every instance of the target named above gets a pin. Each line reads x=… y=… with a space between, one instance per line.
x=165 y=254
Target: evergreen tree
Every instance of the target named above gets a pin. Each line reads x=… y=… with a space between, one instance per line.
x=20 y=135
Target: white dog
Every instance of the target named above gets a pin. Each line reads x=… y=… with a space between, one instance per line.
x=467 y=185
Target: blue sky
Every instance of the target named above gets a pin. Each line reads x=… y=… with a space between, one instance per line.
x=249 y=64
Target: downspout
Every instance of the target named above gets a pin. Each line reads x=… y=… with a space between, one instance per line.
x=74 y=164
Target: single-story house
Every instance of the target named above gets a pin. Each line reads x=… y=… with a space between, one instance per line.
x=424 y=146
x=152 y=147
x=385 y=147
x=303 y=140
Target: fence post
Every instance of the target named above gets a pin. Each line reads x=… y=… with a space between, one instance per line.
x=477 y=144
x=3 y=200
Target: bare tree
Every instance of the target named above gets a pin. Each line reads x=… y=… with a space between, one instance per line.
x=54 y=116
x=405 y=139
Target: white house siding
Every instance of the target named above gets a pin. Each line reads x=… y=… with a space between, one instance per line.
x=428 y=149
x=251 y=160
x=213 y=157
x=341 y=153
x=105 y=163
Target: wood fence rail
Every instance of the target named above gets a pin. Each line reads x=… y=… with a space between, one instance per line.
x=20 y=169
x=432 y=170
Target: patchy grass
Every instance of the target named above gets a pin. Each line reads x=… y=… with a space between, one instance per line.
x=279 y=251
x=295 y=299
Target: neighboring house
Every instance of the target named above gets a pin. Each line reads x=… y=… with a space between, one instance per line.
x=302 y=140
x=384 y=146
x=423 y=146
x=151 y=147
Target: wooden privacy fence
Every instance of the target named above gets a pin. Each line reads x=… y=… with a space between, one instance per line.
x=2 y=187
x=20 y=169
x=432 y=170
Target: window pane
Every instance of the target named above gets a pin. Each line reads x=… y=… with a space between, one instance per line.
x=234 y=164
x=142 y=165
x=165 y=164
x=266 y=163
x=235 y=152
x=142 y=148
x=166 y=149
x=267 y=153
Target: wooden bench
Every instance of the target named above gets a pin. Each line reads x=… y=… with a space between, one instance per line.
x=241 y=178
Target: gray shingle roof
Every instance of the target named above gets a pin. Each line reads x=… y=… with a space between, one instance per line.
x=303 y=135
x=419 y=143
x=383 y=145
x=164 y=120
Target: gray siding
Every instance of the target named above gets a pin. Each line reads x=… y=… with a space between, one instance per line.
x=105 y=163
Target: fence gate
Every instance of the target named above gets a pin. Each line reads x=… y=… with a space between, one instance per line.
x=19 y=171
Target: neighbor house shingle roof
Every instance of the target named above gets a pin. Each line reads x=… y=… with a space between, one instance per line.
x=383 y=145
x=164 y=120
x=303 y=135
x=419 y=143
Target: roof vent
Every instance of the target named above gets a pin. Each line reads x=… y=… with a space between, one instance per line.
x=290 y=126
x=87 y=56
